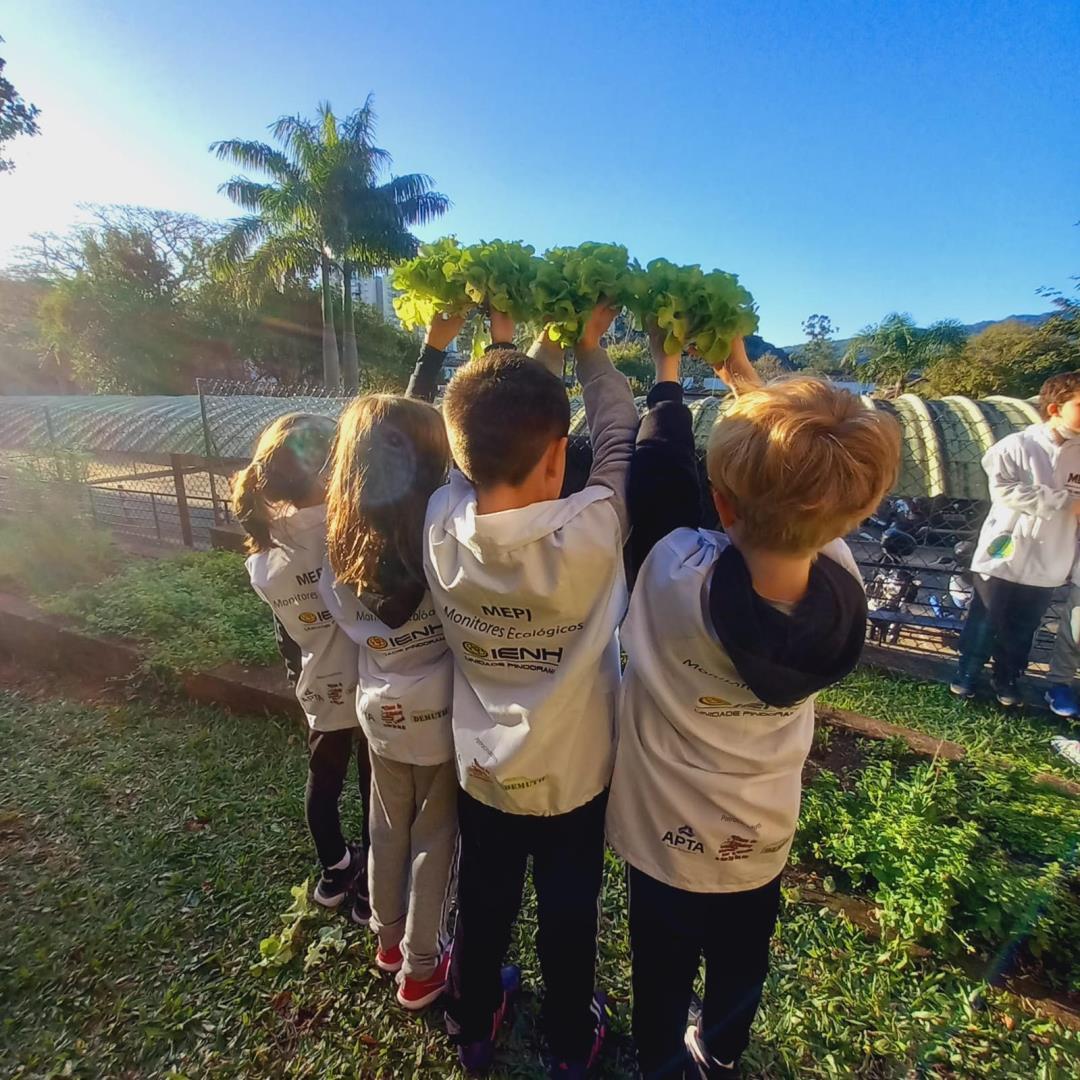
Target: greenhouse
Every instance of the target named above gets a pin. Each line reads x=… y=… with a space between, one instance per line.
x=943 y=440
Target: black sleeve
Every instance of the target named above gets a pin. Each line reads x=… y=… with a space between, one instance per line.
x=664 y=490
x=424 y=380
x=290 y=652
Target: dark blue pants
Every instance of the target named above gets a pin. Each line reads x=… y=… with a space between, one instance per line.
x=671 y=930
x=1001 y=623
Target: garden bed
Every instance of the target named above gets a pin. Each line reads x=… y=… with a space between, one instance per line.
x=147 y=848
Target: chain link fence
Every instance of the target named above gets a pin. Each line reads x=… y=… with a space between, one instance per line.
x=914 y=552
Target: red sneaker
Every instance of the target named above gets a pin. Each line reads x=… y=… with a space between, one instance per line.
x=416 y=994
x=391 y=960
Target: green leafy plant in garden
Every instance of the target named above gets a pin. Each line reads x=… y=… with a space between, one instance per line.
x=955 y=856
x=189 y=613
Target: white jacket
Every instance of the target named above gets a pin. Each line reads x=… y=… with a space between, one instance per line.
x=530 y=600
x=1030 y=534
x=404 y=685
x=708 y=778
x=287 y=578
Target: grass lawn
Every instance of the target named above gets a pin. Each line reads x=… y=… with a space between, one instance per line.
x=146 y=849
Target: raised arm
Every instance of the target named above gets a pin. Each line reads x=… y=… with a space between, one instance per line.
x=737 y=371
x=424 y=380
x=610 y=411
x=664 y=491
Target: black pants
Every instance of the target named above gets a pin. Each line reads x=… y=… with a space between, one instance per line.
x=568 y=859
x=670 y=930
x=328 y=764
x=1001 y=622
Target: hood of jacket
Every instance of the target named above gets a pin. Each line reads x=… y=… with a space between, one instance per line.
x=786 y=657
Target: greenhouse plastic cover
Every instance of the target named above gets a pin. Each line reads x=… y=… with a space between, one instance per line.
x=943 y=441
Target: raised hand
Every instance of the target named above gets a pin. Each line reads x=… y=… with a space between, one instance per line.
x=596 y=326
x=502 y=327
x=443 y=329
x=737 y=371
x=667 y=366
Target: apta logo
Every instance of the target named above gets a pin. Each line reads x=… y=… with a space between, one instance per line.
x=683 y=839
x=376 y=642
x=472 y=649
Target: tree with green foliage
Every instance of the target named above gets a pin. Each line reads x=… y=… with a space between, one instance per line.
x=632 y=358
x=17 y=117
x=126 y=303
x=1011 y=358
x=893 y=350
x=771 y=367
x=324 y=208
x=819 y=352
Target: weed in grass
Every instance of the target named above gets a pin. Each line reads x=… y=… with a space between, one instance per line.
x=134 y=904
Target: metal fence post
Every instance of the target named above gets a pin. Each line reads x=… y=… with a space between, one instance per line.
x=208 y=449
x=181 y=500
x=52 y=443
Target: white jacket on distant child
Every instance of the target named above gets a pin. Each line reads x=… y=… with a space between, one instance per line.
x=1030 y=534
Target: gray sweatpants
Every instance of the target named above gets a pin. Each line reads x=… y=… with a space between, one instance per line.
x=412 y=860
x=1065 y=658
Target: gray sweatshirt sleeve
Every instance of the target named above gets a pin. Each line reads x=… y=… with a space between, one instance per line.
x=613 y=421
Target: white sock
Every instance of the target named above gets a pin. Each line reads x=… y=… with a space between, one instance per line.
x=343 y=863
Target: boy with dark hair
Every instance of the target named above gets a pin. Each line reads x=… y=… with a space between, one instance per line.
x=530 y=588
x=1027 y=544
x=729 y=638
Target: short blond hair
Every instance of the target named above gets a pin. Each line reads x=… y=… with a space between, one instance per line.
x=802 y=462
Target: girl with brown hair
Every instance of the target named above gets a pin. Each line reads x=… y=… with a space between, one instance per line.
x=390 y=454
x=280 y=501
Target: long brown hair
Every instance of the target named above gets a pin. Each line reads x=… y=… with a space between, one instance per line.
x=389 y=455
x=288 y=461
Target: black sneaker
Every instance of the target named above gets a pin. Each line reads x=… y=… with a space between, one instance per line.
x=703 y=1066
x=360 y=912
x=962 y=684
x=1006 y=691
x=334 y=885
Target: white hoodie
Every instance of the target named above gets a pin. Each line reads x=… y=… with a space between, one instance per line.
x=708 y=777
x=1030 y=534
x=530 y=600
x=405 y=673
x=287 y=578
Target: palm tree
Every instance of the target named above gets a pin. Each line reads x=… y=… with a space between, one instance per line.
x=322 y=210
x=895 y=348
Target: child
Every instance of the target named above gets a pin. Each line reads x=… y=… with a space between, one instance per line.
x=531 y=588
x=728 y=639
x=278 y=499
x=390 y=454
x=1028 y=541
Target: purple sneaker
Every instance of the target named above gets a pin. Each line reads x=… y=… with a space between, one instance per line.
x=476 y=1058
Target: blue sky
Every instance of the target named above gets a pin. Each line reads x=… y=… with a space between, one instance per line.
x=844 y=158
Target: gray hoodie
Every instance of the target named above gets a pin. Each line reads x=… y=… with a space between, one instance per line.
x=530 y=600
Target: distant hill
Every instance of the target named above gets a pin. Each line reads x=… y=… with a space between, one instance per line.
x=841 y=344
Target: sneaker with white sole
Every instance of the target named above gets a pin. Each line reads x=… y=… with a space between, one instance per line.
x=334 y=885
x=1069 y=749
x=1062 y=701
x=1006 y=691
x=703 y=1065
x=389 y=960
x=414 y=994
